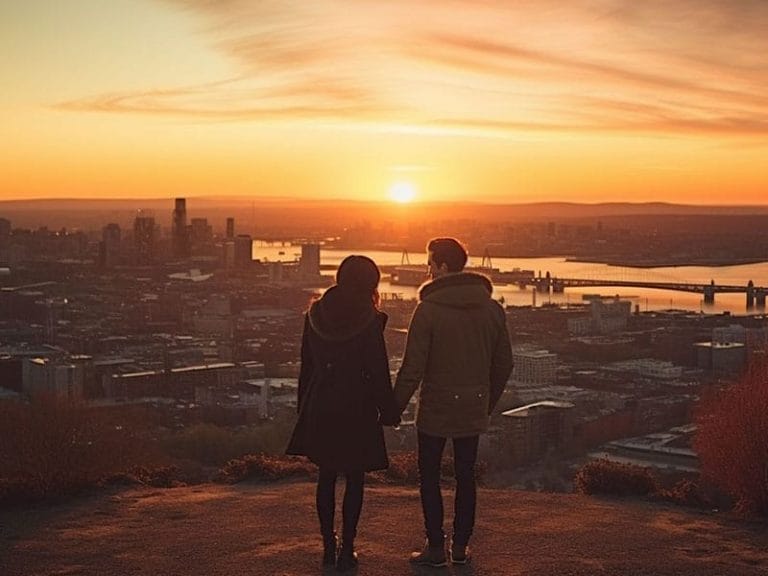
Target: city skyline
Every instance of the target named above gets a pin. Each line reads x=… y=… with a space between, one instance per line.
x=441 y=101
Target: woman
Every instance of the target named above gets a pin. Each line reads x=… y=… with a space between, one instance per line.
x=345 y=396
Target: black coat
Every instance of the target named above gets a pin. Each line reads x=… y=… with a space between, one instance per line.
x=345 y=391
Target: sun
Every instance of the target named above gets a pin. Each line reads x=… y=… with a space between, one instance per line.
x=402 y=192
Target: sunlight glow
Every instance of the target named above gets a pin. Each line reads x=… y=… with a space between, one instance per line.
x=402 y=192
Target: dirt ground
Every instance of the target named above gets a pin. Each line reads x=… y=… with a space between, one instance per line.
x=271 y=529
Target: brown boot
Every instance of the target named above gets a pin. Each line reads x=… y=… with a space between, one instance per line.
x=430 y=555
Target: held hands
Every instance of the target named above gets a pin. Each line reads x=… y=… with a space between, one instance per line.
x=389 y=420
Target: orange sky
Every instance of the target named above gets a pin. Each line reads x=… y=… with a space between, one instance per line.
x=485 y=100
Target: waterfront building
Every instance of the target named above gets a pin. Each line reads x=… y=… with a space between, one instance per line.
x=243 y=250
x=309 y=265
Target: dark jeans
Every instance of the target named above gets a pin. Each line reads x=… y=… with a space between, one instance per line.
x=325 y=500
x=464 y=458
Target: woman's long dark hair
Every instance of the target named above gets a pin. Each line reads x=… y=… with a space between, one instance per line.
x=359 y=277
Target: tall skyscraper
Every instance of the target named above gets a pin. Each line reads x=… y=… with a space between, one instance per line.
x=109 y=248
x=230 y=228
x=179 y=231
x=144 y=239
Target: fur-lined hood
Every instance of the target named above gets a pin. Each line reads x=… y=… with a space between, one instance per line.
x=340 y=315
x=461 y=290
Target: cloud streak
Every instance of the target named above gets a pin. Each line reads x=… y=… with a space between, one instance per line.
x=693 y=67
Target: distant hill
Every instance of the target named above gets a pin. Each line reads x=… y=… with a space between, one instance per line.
x=210 y=530
x=255 y=214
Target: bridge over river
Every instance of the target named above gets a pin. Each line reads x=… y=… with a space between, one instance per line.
x=755 y=295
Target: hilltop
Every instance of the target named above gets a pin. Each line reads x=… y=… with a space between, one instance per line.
x=264 y=529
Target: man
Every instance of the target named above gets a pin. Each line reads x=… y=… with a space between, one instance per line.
x=458 y=355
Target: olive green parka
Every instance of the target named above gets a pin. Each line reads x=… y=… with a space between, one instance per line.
x=457 y=355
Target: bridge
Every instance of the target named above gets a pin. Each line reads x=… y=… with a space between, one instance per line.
x=755 y=295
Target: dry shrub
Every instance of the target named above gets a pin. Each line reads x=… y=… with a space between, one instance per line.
x=264 y=467
x=687 y=493
x=161 y=477
x=404 y=469
x=51 y=447
x=731 y=440
x=214 y=445
x=615 y=479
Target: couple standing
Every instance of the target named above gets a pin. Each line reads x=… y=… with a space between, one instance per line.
x=458 y=356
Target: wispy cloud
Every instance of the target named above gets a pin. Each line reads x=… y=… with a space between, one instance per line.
x=693 y=67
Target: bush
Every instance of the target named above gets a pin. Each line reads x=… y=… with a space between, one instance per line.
x=52 y=447
x=214 y=445
x=613 y=478
x=731 y=440
x=161 y=477
x=687 y=493
x=404 y=469
x=265 y=468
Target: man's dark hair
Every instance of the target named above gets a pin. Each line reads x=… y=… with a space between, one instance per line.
x=448 y=251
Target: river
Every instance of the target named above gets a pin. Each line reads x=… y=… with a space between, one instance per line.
x=646 y=299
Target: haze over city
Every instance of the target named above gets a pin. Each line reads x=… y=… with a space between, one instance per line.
x=487 y=101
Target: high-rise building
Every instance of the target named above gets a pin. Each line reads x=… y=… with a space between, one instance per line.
x=201 y=231
x=109 y=248
x=309 y=265
x=144 y=239
x=243 y=251
x=179 y=231
x=230 y=228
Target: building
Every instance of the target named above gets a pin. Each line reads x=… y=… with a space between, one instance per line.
x=309 y=265
x=215 y=316
x=201 y=231
x=230 y=228
x=144 y=239
x=534 y=366
x=730 y=333
x=243 y=255
x=604 y=317
x=110 y=246
x=648 y=368
x=531 y=431
x=60 y=378
x=179 y=230
x=175 y=383
x=723 y=357
x=5 y=228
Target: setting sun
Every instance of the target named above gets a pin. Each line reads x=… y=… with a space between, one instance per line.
x=402 y=192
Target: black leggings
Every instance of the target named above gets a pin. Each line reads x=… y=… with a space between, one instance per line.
x=326 y=503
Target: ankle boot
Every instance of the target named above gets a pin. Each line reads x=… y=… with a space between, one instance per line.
x=330 y=544
x=347 y=557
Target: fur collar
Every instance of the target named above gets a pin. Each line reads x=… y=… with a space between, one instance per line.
x=460 y=280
